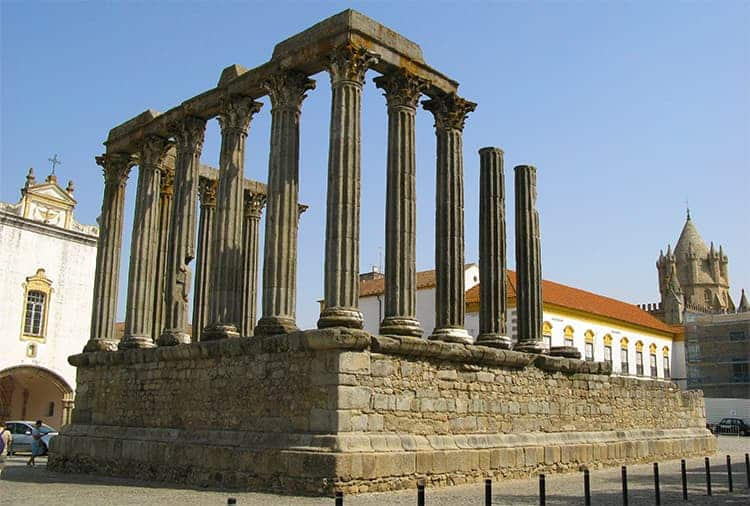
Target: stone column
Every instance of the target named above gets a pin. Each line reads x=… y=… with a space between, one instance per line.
x=254 y=203
x=189 y=133
x=492 y=253
x=139 y=311
x=450 y=113
x=104 y=307
x=225 y=300
x=207 y=195
x=347 y=67
x=165 y=218
x=287 y=90
x=528 y=263
x=402 y=91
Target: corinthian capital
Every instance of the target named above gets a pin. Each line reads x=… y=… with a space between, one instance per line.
x=189 y=133
x=207 y=191
x=116 y=166
x=288 y=89
x=402 y=88
x=154 y=151
x=254 y=204
x=349 y=63
x=236 y=113
x=167 y=181
x=450 y=111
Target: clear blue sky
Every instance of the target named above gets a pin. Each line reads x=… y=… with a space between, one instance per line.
x=627 y=110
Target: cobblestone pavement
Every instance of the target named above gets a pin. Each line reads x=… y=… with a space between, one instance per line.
x=26 y=485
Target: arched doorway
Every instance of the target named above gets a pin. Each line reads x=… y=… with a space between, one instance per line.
x=35 y=393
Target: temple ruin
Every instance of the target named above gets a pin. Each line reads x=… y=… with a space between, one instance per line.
x=264 y=405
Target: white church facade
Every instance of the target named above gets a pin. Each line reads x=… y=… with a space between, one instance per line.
x=47 y=262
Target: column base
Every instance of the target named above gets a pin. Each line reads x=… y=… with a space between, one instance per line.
x=565 y=351
x=452 y=335
x=400 y=326
x=219 y=331
x=173 y=337
x=494 y=341
x=275 y=325
x=537 y=347
x=94 y=345
x=349 y=317
x=129 y=342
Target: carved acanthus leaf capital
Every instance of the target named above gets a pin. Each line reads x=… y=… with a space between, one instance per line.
x=402 y=88
x=167 y=181
x=254 y=204
x=288 y=89
x=236 y=113
x=189 y=133
x=207 y=189
x=301 y=208
x=349 y=63
x=450 y=111
x=154 y=151
x=116 y=166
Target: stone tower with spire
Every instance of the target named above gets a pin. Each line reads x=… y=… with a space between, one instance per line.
x=693 y=277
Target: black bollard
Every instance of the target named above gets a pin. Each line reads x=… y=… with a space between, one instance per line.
x=488 y=492
x=420 y=493
x=624 y=486
x=729 y=473
x=231 y=501
x=542 y=491
x=684 y=480
x=339 y=498
x=708 y=476
x=747 y=469
x=586 y=488
x=656 y=484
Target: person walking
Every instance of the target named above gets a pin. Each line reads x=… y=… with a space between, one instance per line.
x=6 y=438
x=36 y=443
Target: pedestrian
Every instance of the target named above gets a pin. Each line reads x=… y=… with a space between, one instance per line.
x=6 y=438
x=36 y=443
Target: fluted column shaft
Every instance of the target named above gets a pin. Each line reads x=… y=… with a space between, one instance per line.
x=106 y=279
x=492 y=250
x=287 y=91
x=402 y=91
x=347 y=68
x=165 y=218
x=225 y=300
x=254 y=203
x=528 y=263
x=139 y=311
x=450 y=113
x=189 y=133
x=207 y=195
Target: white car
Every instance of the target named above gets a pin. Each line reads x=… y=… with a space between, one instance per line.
x=21 y=431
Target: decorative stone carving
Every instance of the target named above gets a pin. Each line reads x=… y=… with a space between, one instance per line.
x=287 y=91
x=116 y=167
x=349 y=63
x=254 y=203
x=450 y=113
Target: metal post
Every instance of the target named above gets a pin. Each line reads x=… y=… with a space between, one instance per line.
x=729 y=473
x=747 y=469
x=656 y=484
x=624 y=486
x=488 y=492
x=339 y=498
x=542 y=491
x=708 y=476
x=586 y=487
x=420 y=493
x=683 y=471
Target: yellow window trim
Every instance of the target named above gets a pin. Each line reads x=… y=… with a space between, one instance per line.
x=36 y=283
x=589 y=336
x=624 y=343
x=639 y=346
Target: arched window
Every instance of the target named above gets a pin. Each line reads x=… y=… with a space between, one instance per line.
x=35 y=303
x=652 y=360
x=568 y=332
x=589 y=345
x=665 y=361
x=624 y=363
x=608 y=348
x=639 y=358
x=38 y=290
x=547 y=333
x=707 y=296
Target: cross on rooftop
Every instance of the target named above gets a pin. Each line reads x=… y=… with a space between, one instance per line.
x=55 y=162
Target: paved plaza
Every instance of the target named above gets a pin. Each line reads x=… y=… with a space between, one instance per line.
x=24 y=485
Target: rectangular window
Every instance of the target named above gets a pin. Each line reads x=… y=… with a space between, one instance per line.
x=652 y=363
x=639 y=363
x=34 y=313
x=740 y=372
x=666 y=367
x=547 y=340
x=608 y=354
x=737 y=335
x=568 y=341
x=694 y=351
x=590 y=352
x=624 y=366
x=51 y=409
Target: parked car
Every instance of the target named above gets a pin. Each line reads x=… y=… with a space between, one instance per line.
x=21 y=431
x=732 y=426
